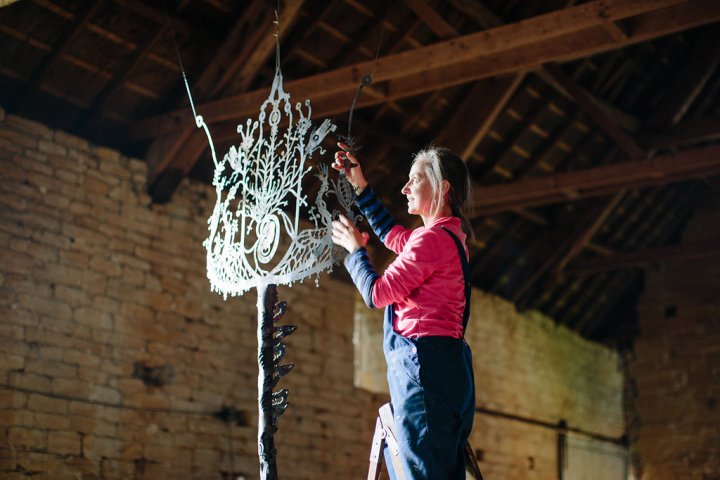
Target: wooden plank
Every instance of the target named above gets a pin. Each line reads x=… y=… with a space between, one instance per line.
x=586 y=103
x=251 y=65
x=564 y=35
x=326 y=103
x=690 y=79
x=59 y=51
x=100 y=100
x=430 y=17
x=598 y=181
x=643 y=258
x=478 y=112
x=587 y=234
x=182 y=149
x=684 y=133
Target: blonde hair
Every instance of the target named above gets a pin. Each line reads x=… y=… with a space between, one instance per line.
x=440 y=164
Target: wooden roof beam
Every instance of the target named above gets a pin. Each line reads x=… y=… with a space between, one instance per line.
x=255 y=49
x=598 y=181
x=478 y=112
x=58 y=51
x=587 y=104
x=643 y=258
x=689 y=81
x=558 y=36
x=397 y=75
x=431 y=18
x=686 y=132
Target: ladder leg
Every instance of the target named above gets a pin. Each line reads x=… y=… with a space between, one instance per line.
x=388 y=421
x=471 y=462
x=378 y=443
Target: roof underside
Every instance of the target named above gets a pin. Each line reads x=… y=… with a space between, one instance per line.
x=589 y=128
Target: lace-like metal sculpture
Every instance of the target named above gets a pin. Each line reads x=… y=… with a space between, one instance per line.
x=256 y=184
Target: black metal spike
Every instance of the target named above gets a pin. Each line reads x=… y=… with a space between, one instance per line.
x=278 y=352
x=279 y=372
x=283 y=331
x=281 y=308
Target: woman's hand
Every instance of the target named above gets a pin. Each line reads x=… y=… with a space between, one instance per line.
x=347 y=162
x=347 y=235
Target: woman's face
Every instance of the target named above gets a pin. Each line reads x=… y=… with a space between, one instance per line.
x=418 y=190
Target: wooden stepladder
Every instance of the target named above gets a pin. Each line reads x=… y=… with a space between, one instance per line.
x=385 y=433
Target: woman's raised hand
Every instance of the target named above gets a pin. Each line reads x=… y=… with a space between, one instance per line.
x=347 y=162
x=347 y=235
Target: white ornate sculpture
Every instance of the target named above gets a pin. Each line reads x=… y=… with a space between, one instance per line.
x=255 y=183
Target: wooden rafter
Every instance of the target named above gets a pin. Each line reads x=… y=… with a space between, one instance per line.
x=598 y=181
x=505 y=49
x=430 y=17
x=687 y=132
x=642 y=258
x=111 y=88
x=513 y=47
x=477 y=114
x=241 y=54
x=59 y=49
x=586 y=103
x=684 y=88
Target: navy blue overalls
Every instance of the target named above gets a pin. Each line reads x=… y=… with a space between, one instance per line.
x=432 y=390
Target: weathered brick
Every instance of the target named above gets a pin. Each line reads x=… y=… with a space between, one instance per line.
x=95 y=447
x=52 y=148
x=41 y=403
x=68 y=140
x=29 y=381
x=64 y=443
x=93 y=318
x=28 y=126
x=51 y=421
x=105 y=395
x=26 y=438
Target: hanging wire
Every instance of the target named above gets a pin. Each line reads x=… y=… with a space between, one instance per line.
x=177 y=52
x=366 y=80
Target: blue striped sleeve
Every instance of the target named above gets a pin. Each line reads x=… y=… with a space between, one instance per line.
x=362 y=273
x=375 y=212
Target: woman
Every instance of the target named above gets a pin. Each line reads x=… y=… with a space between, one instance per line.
x=426 y=308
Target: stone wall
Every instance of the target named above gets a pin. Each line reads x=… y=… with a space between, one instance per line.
x=96 y=284
x=676 y=369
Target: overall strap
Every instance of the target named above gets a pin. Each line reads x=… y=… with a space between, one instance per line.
x=466 y=276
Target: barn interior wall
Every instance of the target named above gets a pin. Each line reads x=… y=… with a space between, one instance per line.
x=97 y=286
x=676 y=369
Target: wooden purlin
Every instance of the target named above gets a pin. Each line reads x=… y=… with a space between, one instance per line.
x=509 y=48
x=174 y=151
x=599 y=181
x=329 y=98
x=687 y=132
x=688 y=82
x=431 y=18
x=642 y=258
x=587 y=105
x=95 y=109
x=78 y=25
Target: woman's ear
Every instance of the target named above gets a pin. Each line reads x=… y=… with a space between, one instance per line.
x=445 y=185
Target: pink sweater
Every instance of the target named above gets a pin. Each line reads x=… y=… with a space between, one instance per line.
x=425 y=282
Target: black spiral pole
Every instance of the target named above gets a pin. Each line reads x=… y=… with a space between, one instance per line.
x=270 y=350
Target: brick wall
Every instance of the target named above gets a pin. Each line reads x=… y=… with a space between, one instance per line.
x=676 y=369
x=94 y=281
